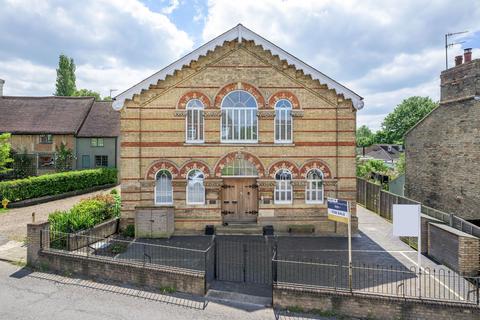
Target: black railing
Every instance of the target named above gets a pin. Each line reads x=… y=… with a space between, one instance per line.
x=399 y=281
x=131 y=252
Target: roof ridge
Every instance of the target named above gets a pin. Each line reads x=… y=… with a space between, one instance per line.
x=48 y=97
x=239 y=32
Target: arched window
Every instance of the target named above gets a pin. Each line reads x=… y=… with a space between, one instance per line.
x=163 y=187
x=239 y=167
x=283 y=186
x=195 y=187
x=239 y=117
x=283 y=121
x=314 y=189
x=194 y=121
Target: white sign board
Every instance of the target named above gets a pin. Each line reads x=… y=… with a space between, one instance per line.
x=406 y=219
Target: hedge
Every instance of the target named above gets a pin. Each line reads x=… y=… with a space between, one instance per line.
x=56 y=183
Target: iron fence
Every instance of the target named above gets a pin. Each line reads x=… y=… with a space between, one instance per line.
x=131 y=252
x=397 y=281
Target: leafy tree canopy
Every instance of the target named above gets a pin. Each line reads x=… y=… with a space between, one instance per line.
x=87 y=93
x=365 y=136
x=403 y=118
x=65 y=85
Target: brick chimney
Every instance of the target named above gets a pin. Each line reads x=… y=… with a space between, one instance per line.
x=458 y=60
x=467 y=54
x=1 y=87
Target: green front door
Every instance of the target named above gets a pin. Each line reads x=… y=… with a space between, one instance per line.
x=85 y=161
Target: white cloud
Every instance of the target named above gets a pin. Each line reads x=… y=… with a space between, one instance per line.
x=385 y=51
x=26 y=77
x=173 y=5
x=102 y=34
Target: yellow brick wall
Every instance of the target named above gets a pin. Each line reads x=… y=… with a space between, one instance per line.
x=152 y=130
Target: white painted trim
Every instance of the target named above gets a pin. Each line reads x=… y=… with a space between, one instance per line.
x=239 y=32
x=275 y=124
x=159 y=204
x=251 y=141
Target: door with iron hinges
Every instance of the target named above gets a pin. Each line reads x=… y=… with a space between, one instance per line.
x=239 y=200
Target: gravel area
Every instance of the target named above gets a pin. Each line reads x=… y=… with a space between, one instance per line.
x=13 y=223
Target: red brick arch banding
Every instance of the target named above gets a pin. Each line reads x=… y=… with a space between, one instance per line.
x=182 y=103
x=235 y=155
x=315 y=164
x=161 y=165
x=239 y=86
x=287 y=95
x=194 y=164
x=283 y=164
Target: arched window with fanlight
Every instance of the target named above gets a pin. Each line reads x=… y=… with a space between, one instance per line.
x=163 y=188
x=239 y=118
x=283 y=121
x=195 y=187
x=283 y=187
x=314 y=188
x=194 y=125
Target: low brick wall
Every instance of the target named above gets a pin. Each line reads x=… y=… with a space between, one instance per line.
x=455 y=249
x=183 y=281
x=155 y=276
x=370 y=307
x=89 y=236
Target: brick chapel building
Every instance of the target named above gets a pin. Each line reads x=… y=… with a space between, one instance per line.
x=236 y=132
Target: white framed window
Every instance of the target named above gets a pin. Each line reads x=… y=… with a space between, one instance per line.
x=283 y=121
x=283 y=187
x=194 y=126
x=239 y=118
x=195 y=187
x=163 y=188
x=314 y=188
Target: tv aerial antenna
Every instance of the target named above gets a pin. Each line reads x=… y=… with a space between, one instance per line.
x=451 y=44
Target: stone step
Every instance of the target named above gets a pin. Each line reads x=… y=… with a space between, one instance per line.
x=238 y=298
x=240 y=229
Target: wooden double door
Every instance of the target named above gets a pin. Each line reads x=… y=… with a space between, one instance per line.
x=239 y=200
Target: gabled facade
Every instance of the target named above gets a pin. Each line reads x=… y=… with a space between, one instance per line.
x=237 y=135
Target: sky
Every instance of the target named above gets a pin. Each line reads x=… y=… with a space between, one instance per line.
x=385 y=51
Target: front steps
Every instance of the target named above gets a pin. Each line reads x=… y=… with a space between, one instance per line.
x=238 y=229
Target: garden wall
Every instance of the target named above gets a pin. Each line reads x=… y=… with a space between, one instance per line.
x=86 y=237
x=370 y=307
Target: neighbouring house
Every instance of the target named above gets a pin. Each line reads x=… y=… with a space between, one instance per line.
x=236 y=132
x=443 y=149
x=39 y=125
x=388 y=153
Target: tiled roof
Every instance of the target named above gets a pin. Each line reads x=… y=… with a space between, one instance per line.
x=36 y=115
x=102 y=121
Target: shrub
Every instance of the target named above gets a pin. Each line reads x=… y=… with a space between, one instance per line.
x=129 y=231
x=85 y=214
x=57 y=183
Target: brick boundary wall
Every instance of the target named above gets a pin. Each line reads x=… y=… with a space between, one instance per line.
x=370 y=307
x=187 y=281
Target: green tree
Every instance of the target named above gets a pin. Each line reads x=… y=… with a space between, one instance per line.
x=400 y=165
x=87 y=93
x=365 y=136
x=65 y=85
x=364 y=168
x=65 y=157
x=5 y=148
x=404 y=117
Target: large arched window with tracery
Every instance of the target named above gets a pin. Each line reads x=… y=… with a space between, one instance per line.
x=194 y=121
x=283 y=187
x=239 y=117
x=283 y=121
x=195 y=187
x=314 y=189
x=163 y=188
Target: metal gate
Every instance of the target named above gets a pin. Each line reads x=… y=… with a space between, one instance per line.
x=248 y=259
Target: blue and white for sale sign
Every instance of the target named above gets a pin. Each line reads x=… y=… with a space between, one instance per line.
x=338 y=210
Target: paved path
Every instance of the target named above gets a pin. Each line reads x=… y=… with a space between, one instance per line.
x=13 y=223
x=25 y=295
